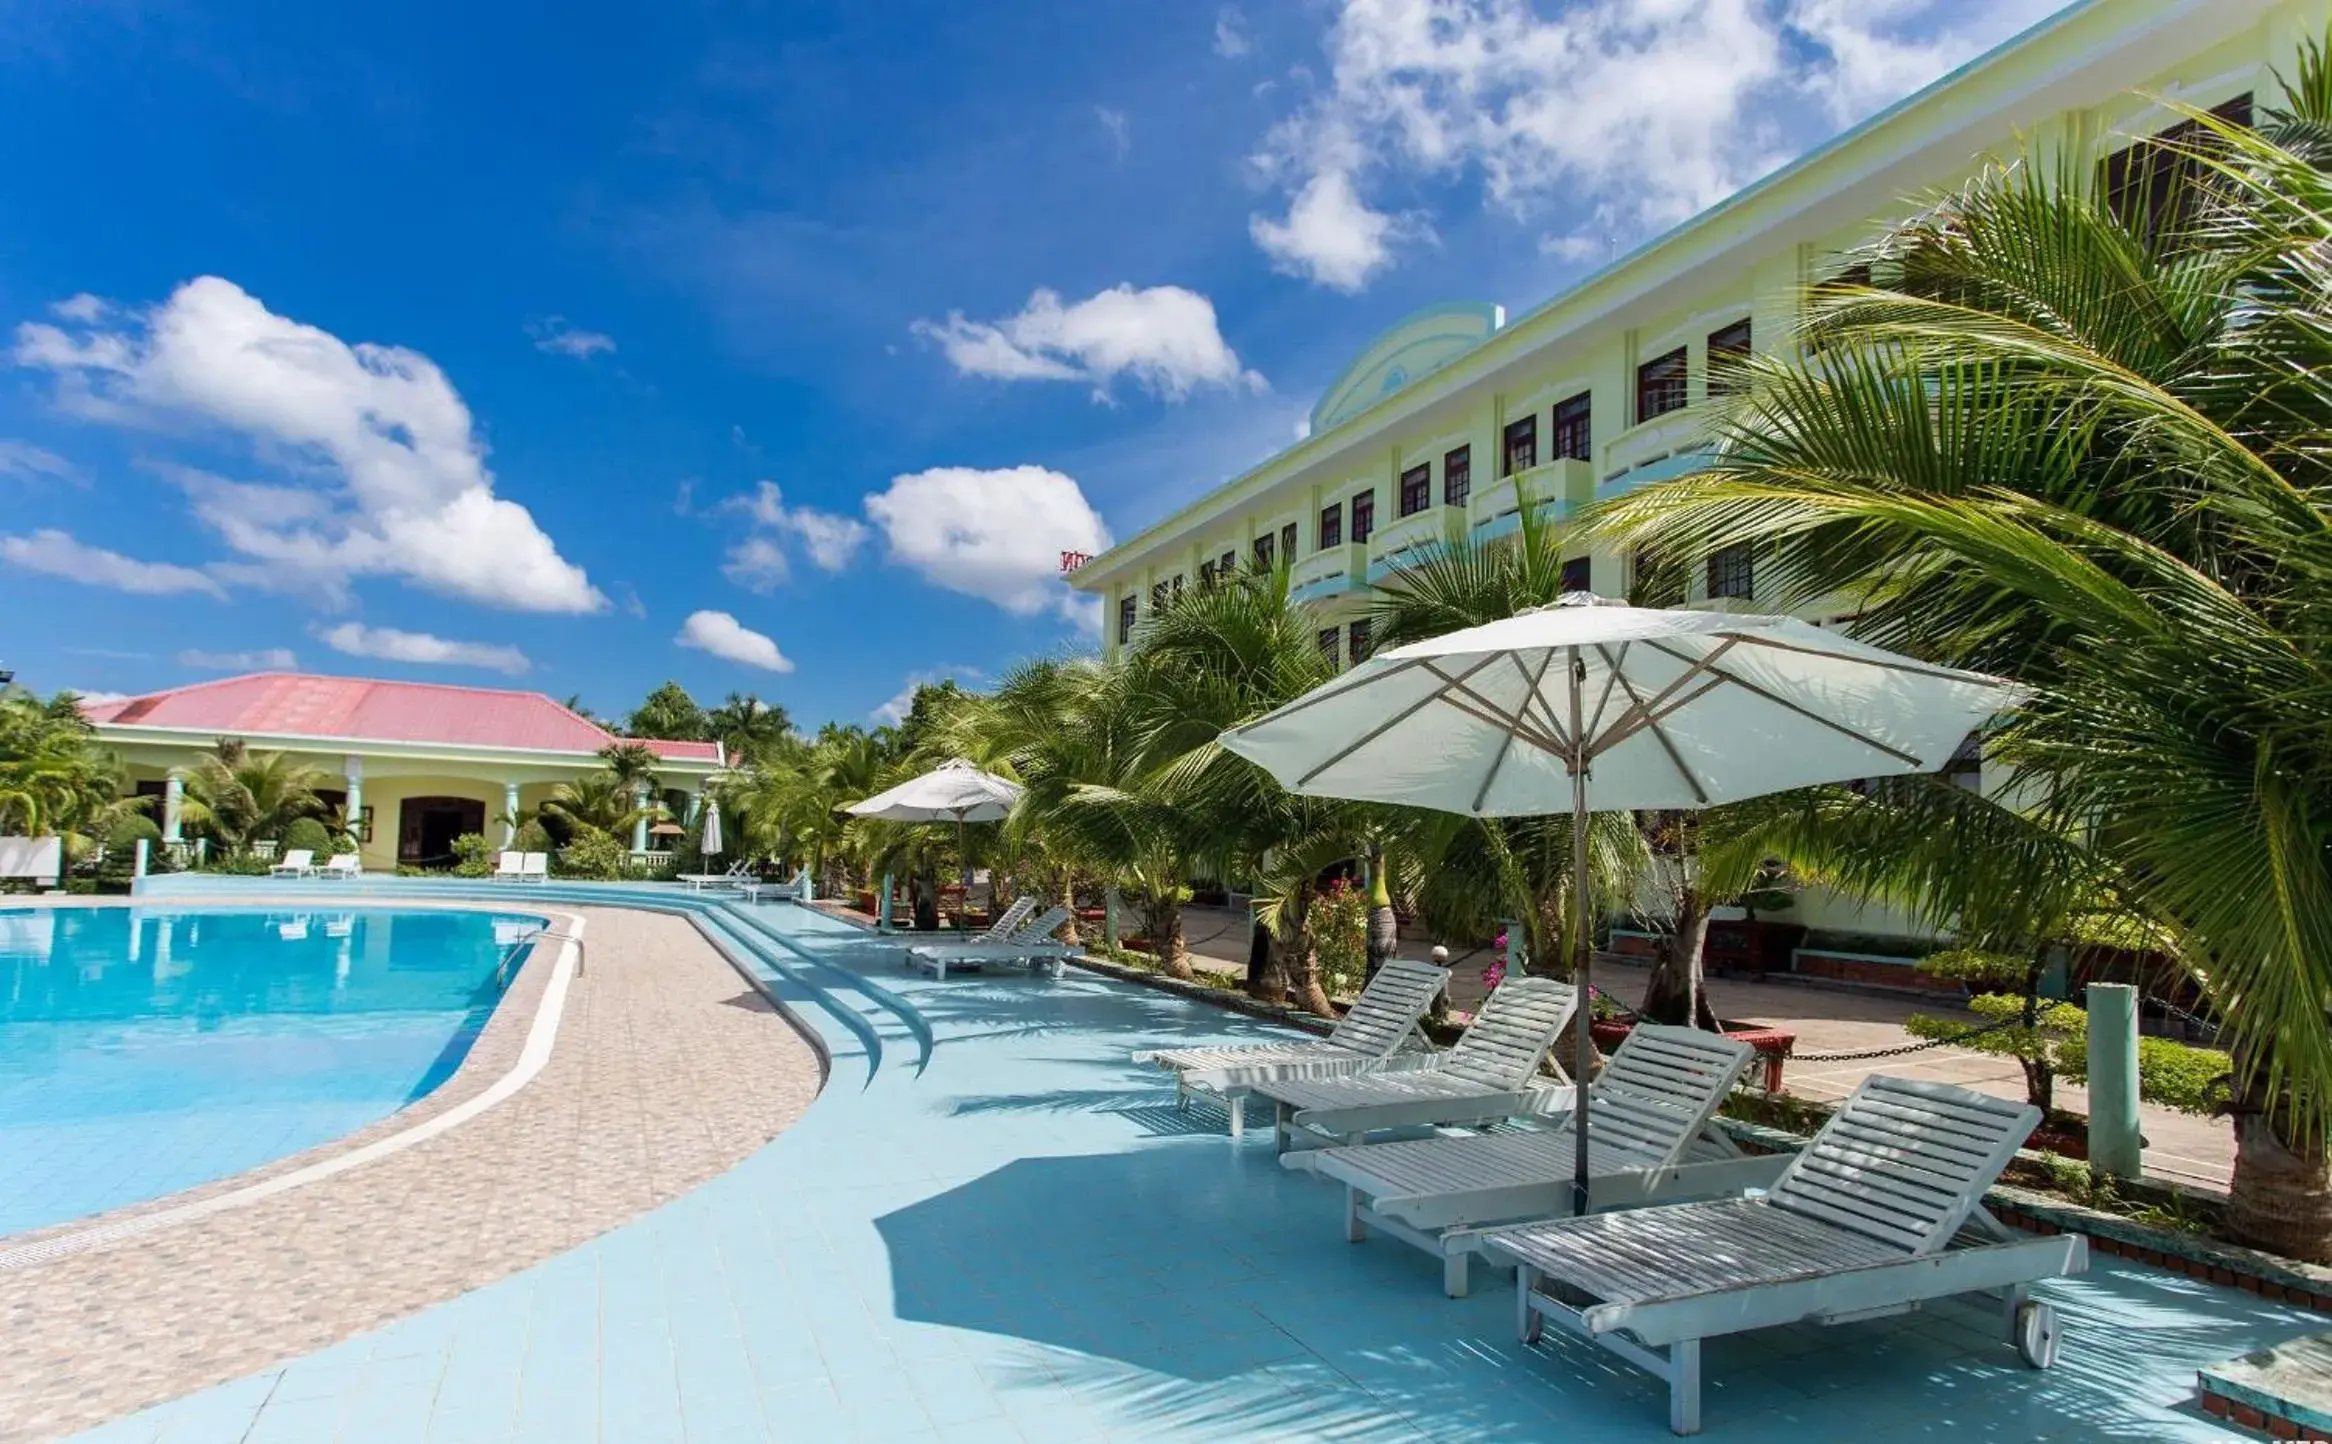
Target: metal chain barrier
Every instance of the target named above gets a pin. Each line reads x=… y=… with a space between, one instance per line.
x=1900 y=1049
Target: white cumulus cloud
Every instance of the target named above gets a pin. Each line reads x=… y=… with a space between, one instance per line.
x=731 y=640
x=265 y=659
x=388 y=644
x=1632 y=113
x=894 y=711
x=997 y=535
x=553 y=334
x=59 y=555
x=759 y=563
x=1163 y=338
x=1331 y=235
x=1118 y=127
x=27 y=462
x=388 y=475
x=1231 y=40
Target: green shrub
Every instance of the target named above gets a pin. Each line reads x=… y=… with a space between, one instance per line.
x=121 y=850
x=1339 y=922
x=473 y=855
x=307 y=832
x=2175 y=1075
x=594 y=856
x=238 y=864
x=532 y=837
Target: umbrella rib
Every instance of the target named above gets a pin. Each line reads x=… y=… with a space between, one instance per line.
x=1499 y=760
x=1329 y=692
x=1651 y=711
x=1652 y=724
x=1916 y=669
x=1482 y=709
x=1390 y=722
x=1786 y=704
x=1595 y=723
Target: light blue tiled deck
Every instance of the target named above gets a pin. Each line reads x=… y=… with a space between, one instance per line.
x=992 y=1227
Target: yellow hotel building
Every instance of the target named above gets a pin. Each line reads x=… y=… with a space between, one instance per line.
x=1458 y=412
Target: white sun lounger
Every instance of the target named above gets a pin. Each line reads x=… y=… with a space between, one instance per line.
x=1649 y=1140
x=1032 y=944
x=698 y=881
x=299 y=862
x=1369 y=1036
x=1882 y=1212
x=509 y=866
x=534 y=867
x=1490 y=1074
x=343 y=864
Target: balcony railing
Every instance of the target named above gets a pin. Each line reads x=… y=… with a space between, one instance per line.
x=1328 y=573
x=1399 y=543
x=1558 y=488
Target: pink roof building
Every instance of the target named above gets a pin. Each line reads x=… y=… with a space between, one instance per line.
x=417 y=763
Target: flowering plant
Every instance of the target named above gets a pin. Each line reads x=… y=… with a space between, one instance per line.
x=1495 y=973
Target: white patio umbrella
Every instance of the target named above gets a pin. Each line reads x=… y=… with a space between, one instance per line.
x=955 y=791
x=1592 y=706
x=710 y=846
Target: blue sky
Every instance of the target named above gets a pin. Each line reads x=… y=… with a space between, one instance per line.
x=773 y=348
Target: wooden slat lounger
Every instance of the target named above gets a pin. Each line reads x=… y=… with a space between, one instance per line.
x=1649 y=1139
x=1034 y=942
x=1883 y=1211
x=1368 y=1037
x=1491 y=1073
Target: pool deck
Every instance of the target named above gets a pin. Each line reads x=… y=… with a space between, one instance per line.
x=992 y=1227
x=668 y=1069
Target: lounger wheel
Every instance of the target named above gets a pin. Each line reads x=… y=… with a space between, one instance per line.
x=2036 y=1333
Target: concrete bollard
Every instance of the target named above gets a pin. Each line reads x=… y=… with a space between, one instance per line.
x=2114 y=1145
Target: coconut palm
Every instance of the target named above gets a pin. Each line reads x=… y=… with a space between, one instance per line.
x=53 y=777
x=2080 y=443
x=240 y=797
x=597 y=802
x=749 y=729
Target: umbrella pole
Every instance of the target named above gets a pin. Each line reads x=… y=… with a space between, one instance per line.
x=1582 y=950
x=963 y=913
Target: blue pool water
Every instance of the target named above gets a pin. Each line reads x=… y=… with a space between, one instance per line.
x=144 y=1051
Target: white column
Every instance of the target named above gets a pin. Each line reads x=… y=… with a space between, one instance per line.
x=640 y=827
x=353 y=768
x=509 y=813
x=173 y=793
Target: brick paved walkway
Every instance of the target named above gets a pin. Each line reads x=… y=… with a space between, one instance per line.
x=669 y=1068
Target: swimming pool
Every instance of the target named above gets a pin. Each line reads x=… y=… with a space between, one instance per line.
x=144 y=1051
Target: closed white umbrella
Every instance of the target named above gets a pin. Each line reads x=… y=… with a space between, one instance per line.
x=953 y=791
x=711 y=844
x=1592 y=706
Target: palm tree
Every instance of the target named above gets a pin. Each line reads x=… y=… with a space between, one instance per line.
x=749 y=729
x=603 y=802
x=53 y=777
x=240 y=797
x=2080 y=444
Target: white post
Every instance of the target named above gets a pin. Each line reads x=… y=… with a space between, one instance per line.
x=509 y=814
x=173 y=793
x=640 y=824
x=353 y=812
x=138 y=867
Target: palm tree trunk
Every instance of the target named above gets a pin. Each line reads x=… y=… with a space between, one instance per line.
x=1162 y=926
x=2281 y=1196
x=1266 y=973
x=1677 y=991
x=1069 y=932
x=1384 y=929
x=1305 y=984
